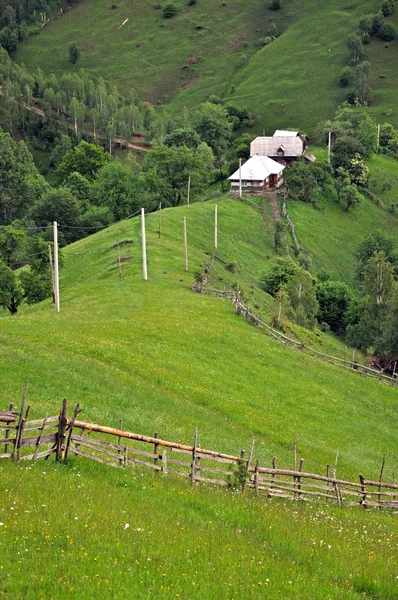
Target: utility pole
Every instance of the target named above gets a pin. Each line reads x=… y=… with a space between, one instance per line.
x=56 y=267
x=378 y=137
x=240 y=178
x=185 y=244
x=189 y=189
x=329 y=145
x=160 y=220
x=215 y=226
x=144 y=265
x=50 y=258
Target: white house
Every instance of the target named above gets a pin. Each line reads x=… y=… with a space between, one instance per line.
x=257 y=174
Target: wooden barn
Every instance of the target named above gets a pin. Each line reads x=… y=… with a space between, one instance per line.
x=284 y=147
x=257 y=174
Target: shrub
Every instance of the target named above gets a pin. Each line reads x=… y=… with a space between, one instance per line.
x=345 y=77
x=377 y=22
x=365 y=23
x=388 y=32
x=387 y=7
x=191 y=2
x=275 y=4
x=169 y=11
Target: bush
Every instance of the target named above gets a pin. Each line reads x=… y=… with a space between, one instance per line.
x=191 y=2
x=365 y=24
x=169 y=11
x=388 y=32
x=387 y=7
x=275 y=4
x=345 y=77
x=377 y=22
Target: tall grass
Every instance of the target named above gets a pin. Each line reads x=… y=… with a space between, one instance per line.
x=87 y=531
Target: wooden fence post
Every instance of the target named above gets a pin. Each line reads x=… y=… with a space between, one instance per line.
x=363 y=490
x=155 y=449
x=381 y=476
x=271 y=483
x=18 y=440
x=7 y=432
x=25 y=389
x=193 y=463
x=61 y=430
x=164 y=461
x=256 y=477
x=248 y=463
x=72 y=424
x=36 y=452
x=119 y=441
x=197 y=467
x=299 y=478
x=328 y=482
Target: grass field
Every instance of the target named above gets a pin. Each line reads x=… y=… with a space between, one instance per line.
x=292 y=82
x=331 y=234
x=168 y=360
x=87 y=531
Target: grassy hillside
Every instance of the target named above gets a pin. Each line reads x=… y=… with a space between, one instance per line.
x=168 y=360
x=292 y=82
x=152 y=536
x=331 y=234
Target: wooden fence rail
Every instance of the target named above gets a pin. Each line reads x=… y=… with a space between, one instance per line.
x=247 y=313
x=115 y=447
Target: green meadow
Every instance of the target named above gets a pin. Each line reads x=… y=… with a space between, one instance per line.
x=215 y=47
x=92 y=532
x=165 y=359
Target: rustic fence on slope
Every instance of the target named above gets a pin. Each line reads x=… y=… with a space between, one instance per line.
x=247 y=313
x=64 y=436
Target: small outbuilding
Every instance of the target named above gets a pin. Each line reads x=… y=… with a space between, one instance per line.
x=257 y=174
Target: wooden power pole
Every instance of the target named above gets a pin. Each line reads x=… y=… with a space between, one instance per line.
x=56 y=267
x=185 y=244
x=144 y=264
x=50 y=258
x=215 y=226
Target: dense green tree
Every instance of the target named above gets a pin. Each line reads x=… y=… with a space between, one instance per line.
x=388 y=32
x=16 y=166
x=387 y=7
x=166 y=172
x=85 y=159
x=59 y=205
x=335 y=300
x=366 y=24
x=12 y=245
x=214 y=126
x=344 y=149
x=354 y=45
x=182 y=137
x=345 y=76
x=349 y=196
x=302 y=297
x=279 y=275
x=11 y=294
x=371 y=245
x=362 y=83
x=119 y=189
x=74 y=54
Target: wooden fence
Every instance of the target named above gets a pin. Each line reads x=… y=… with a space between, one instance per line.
x=120 y=448
x=247 y=313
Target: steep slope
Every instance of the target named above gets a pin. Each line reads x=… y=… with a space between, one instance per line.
x=168 y=360
x=215 y=48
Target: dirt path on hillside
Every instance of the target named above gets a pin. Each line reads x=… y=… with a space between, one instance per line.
x=117 y=140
